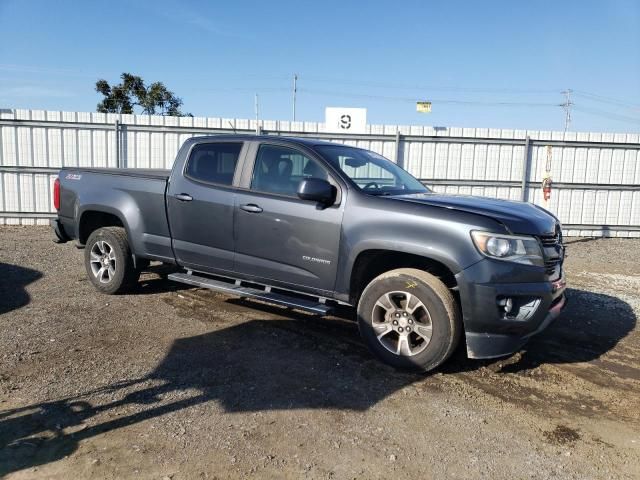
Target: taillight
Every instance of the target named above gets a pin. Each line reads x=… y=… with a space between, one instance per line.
x=56 y=194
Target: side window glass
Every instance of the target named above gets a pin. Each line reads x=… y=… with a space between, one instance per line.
x=280 y=170
x=213 y=162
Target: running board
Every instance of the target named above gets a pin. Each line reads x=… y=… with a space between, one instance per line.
x=265 y=295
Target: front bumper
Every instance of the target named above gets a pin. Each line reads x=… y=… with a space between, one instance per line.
x=493 y=345
x=489 y=331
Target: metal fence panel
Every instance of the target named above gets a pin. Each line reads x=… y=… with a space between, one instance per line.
x=596 y=175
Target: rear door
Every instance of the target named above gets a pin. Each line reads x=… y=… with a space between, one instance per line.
x=280 y=238
x=200 y=206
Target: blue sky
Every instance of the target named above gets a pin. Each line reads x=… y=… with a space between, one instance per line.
x=498 y=64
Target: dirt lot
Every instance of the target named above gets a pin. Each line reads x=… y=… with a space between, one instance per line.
x=182 y=383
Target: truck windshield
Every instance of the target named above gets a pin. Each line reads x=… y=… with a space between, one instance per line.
x=371 y=172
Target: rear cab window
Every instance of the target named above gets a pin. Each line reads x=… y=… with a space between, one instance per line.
x=213 y=162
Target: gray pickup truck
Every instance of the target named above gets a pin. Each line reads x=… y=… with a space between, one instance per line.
x=311 y=225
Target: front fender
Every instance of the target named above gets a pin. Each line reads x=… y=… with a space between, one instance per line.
x=435 y=233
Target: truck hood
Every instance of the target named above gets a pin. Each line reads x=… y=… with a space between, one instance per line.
x=518 y=217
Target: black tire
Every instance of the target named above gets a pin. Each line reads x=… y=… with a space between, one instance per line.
x=438 y=317
x=110 y=244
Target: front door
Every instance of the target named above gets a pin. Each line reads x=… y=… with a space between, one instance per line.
x=279 y=237
x=200 y=206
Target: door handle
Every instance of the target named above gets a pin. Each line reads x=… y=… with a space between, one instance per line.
x=251 y=208
x=183 y=197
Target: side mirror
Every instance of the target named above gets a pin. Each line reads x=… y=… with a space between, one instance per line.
x=318 y=190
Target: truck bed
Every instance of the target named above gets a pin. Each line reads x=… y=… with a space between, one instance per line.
x=135 y=196
x=129 y=172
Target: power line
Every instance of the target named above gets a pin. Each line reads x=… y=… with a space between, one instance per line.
x=243 y=89
x=361 y=83
x=609 y=115
x=609 y=100
x=312 y=91
x=568 y=105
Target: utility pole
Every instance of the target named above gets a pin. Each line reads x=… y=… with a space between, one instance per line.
x=566 y=106
x=257 y=117
x=295 y=89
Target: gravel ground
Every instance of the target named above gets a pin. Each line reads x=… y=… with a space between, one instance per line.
x=179 y=383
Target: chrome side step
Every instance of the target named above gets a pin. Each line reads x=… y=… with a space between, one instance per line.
x=266 y=295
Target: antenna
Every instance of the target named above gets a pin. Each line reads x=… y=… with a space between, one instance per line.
x=566 y=106
x=295 y=89
x=232 y=127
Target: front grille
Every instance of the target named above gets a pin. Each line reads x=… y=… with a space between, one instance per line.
x=551 y=265
x=553 y=253
x=551 y=240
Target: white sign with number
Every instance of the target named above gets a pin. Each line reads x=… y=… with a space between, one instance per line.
x=346 y=120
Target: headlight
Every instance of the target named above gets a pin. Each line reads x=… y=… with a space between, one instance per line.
x=512 y=248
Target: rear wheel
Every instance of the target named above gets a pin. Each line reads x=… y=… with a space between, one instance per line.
x=409 y=319
x=109 y=262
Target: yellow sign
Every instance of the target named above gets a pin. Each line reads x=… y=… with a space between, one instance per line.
x=423 y=107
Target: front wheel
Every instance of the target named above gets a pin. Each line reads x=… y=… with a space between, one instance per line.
x=409 y=319
x=108 y=260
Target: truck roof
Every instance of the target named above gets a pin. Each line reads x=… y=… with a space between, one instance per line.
x=307 y=141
